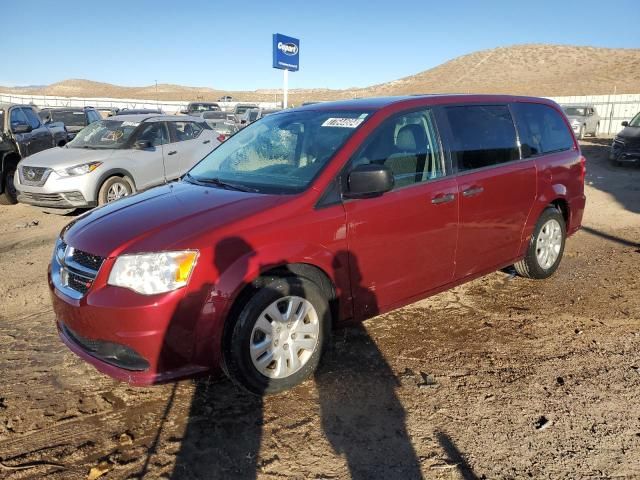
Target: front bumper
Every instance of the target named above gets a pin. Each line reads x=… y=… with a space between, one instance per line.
x=59 y=192
x=142 y=340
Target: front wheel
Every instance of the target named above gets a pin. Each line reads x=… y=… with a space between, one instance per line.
x=277 y=339
x=545 y=247
x=113 y=189
x=9 y=195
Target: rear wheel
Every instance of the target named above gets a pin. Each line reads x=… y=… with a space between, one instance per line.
x=545 y=247
x=581 y=133
x=9 y=195
x=277 y=339
x=113 y=189
x=595 y=132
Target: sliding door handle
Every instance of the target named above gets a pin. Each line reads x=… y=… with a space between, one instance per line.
x=443 y=198
x=470 y=192
x=172 y=152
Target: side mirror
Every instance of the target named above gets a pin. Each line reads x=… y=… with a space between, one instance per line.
x=369 y=180
x=625 y=124
x=142 y=144
x=21 y=128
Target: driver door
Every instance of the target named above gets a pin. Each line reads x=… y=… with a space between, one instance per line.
x=148 y=164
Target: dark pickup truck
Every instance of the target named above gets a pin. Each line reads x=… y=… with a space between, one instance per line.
x=22 y=133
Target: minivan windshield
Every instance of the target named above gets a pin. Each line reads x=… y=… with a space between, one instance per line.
x=104 y=134
x=282 y=153
x=575 y=111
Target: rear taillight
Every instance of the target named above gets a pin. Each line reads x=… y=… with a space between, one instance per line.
x=221 y=138
x=583 y=168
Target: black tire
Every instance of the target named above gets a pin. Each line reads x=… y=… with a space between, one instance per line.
x=529 y=266
x=237 y=361
x=595 y=132
x=9 y=195
x=581 y=133
x=110 y=182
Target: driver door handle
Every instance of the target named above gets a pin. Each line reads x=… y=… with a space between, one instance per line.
x=443 y=198
x=206 y=141
x=172 y=152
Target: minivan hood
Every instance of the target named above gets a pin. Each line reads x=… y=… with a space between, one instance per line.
x=162 y=217
x=64 y=157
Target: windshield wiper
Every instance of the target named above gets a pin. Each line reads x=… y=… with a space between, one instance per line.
x=219 y=183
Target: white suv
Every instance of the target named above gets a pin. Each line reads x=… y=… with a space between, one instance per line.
x=113 y=158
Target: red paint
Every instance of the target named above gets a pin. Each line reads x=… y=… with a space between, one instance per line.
x=378 y=253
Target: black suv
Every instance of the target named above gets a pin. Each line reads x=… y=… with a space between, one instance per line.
x=74 y=118
x=22 y=133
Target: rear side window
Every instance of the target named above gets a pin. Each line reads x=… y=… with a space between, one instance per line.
x=183 y=131
x=483 y=135
x=408 y=145
x=542 y=129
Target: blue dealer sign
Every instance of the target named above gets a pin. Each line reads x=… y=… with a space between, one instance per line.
x=286 y=52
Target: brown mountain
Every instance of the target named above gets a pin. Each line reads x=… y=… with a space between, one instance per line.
x=544 y=70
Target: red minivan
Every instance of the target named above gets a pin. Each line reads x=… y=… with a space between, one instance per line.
x=314 y=217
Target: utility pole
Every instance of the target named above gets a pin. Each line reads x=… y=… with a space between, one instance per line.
x=157 y=99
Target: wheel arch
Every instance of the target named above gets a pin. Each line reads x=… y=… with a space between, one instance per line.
x=114 y=172
x=7 y=158
x=308 y=271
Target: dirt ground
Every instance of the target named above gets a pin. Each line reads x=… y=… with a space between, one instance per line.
x=501 y=378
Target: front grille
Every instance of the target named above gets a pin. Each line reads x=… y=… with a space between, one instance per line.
x=35 y=176
x=78 y=283
x=113 y=353
x=43 y=197
x=87 y=260
x=73 y=271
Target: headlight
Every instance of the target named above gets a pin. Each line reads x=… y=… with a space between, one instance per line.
x=152 y=273
x=79 y=169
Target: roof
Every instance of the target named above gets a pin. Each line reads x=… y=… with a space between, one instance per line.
x=6 y=105
x=378 y=103
x=156 y=117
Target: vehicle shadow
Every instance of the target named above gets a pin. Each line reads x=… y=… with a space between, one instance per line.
x=361 y=415
x=621 y=182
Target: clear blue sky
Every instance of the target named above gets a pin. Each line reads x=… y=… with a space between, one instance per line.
x=227 y=45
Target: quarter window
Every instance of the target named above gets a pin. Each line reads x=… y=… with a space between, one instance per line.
x=542 y=129
x=408 y=145
x=483 y=135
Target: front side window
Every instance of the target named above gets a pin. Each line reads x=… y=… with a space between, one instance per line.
x=92 y=116
x=407 y=144
x=155 y=133
x=32 y=118
x=18 y=118
x=542 y=129
x=281 y=153
x=483 y=135
x=105 y=134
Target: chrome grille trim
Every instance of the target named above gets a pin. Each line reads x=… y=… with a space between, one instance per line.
x=66 y=272
x=34 y=176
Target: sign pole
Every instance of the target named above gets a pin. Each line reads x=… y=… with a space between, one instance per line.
x=285 y=88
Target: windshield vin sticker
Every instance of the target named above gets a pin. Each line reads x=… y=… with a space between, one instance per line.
x=343 y=122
